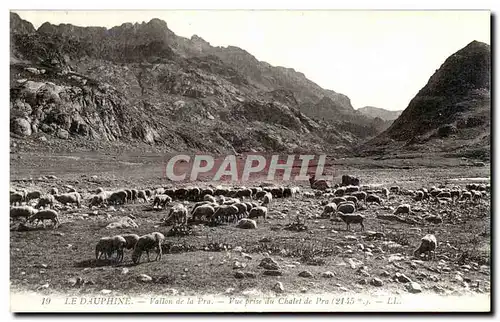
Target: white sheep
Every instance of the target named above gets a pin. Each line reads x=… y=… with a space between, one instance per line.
x=346 y=207
x=33 y=195
x=22 y=211
x=71 y=197
x=178 y=214
x=131 y=240
x=203 y=211
x=427 y=246
x=147 y=243
x=42 y=215
x=108 y=245
x=267 y=199
x=47 y=200
x=329 y=209
x=258 y=212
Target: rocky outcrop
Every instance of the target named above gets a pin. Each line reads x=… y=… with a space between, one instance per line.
x=140 y=83
x=451 y=112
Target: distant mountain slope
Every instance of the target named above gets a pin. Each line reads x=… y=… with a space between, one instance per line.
x=140 y=83
x=384 y=114
x=452 y=113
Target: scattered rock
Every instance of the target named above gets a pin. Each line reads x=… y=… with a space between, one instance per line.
x=144 y=278
x=124 y=271
x=414 y=287
x=245 y=255
x=376 y=282
x=278 y=287
x=273 y=273
x=269 y=264
x=305 y=274
x=239 y=274
x=327 y=274
x=385 y=274
x=247 y=224
x=402 y=278
x=238 y=265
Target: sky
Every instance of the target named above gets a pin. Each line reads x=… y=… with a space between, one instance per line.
x=376 y=58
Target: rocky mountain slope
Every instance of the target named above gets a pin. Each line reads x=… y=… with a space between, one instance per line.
x=452 y=113
x=382 y=113
x=140 y=84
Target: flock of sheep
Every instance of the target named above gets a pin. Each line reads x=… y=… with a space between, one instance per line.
x=216 y=205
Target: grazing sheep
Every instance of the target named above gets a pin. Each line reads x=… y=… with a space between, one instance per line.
x=361 y=195
x=16 y=198
x=104 y=247
x=455 y=194
x=258 y=212
x=444 y=194
x=131 y=240
x=242 y=209
x=338 y=200
x=348 y=180
x=351 y=189
x=108 y=245
x=99 y=199
x=22 y=211
x=141 y=194
x=178 y=214
x=70 y=197
x=403 y=209
x=42 y=215
x=255 y=190
x=267 y=199
x=207 y=191
x=476 y=195
x=243 y=193
x=419 y=196
x=427 y=246
x=339 y=192
x=203 y=211
x=352 y=219
x=209 y=198
x=466 y=195
x=308 y=194
x=118 y=197
x=33 y=195
x=346 y=208
x=352 y=199
x=434 y=192
x=394 y=189
x=47 y=200
x=147 y=243
x=329 y=209
x=224 y=212
x=277 y=192
x=193 y=193
x=129 y=194
x=260 y=194
x=318 y=184
x=180 y=193
x=161 y=201
x=373 y=198
x=148 y=193
x=134 y=195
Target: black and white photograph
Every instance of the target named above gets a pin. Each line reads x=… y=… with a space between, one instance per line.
x=250 y=160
